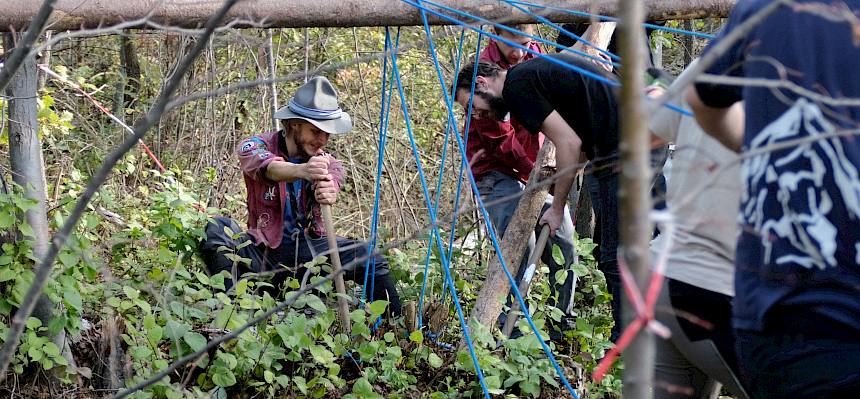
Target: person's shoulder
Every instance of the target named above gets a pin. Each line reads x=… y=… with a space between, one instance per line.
x=256 y=143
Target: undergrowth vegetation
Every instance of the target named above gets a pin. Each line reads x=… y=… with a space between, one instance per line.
x=138 y=277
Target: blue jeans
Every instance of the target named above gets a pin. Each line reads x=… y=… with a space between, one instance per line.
x=495 y=186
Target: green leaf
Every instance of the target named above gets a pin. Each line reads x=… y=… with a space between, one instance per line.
x=68 y=259
x=131 y=293
x=377 y=308
x=223 y=377
x=416 y=336
x=6 y=220
x=363 y=389
x=26 y=230
x=7 y=274
x=268 y=376
x=434 y=360
x=494 y=385
x=557 y=255
x=73 y=298
x=579 y=269
x=321 y=355
x=301 y=384
x=315 y=303
x=175 y=331
x=33 y=323
x=51 y=349
x=195 y=340
x=113 y=302
x=388 y=337
x=560 y=276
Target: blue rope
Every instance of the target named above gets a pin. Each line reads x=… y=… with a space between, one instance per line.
x=520 y=33
x=438 y=193
x=463 y=160
x=561 y=29
x=557 y=61
x=487 y=217
x=381 y=153
x=435 y=233
x=383 y=133
x=610 y=19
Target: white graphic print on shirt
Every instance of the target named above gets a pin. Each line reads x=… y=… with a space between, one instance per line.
x=789 y=193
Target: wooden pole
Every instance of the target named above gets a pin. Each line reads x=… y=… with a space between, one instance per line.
x=634 y=196
x=77 y=14
x=342 y=305
x=491 y=298
x=531 y=269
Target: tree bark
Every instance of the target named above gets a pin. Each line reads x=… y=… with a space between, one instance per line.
x=77 y=14
x=28 y=171
x=491 y=298
x=634 y=196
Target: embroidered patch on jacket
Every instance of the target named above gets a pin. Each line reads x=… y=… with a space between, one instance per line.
x=270 y=194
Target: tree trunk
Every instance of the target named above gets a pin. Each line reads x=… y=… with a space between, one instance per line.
x=28 y=170
x=687 y=41
x=77 y=14
x=634 y=196
x=491 y=298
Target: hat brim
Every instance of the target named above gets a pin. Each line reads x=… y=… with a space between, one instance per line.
x=341 y=125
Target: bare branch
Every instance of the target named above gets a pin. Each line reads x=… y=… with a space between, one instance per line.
x=22 y=50
x=780 y=84
x=43 y=270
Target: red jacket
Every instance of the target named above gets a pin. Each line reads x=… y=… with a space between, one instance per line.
x=508 y=147
x=266 y=197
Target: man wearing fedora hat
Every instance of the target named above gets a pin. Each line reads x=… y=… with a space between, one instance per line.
x=288 y=176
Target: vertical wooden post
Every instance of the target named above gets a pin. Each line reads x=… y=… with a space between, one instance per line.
x=634 y=198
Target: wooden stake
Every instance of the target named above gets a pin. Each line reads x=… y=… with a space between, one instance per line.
x=342 y=305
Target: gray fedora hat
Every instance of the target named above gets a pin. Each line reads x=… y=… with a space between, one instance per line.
x=316 y=102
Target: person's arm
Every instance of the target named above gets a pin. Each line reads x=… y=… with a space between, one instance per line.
x=567 y=148
x=726 y=125
x=599 y=34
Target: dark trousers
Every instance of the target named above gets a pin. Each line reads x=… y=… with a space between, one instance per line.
x=603 y=187
x=287 y=260
x=700 y=354
x=800 y=355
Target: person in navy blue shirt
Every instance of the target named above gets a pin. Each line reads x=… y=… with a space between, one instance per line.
x=797 y=284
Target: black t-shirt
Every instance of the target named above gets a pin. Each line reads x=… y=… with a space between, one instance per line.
x=538 y=86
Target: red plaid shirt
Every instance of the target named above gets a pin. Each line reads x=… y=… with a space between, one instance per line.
x=508 y=147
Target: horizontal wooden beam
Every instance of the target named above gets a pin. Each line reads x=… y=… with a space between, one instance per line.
x=79 y=14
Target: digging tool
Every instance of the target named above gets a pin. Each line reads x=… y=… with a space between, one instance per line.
x=342 y=305
x=531 y=269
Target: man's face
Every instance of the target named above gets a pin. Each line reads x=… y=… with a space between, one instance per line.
x=310 y=140
x=485 y=105
x=513 y=54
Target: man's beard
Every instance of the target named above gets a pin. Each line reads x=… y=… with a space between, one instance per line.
x=302 y=145
x=498 y=108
